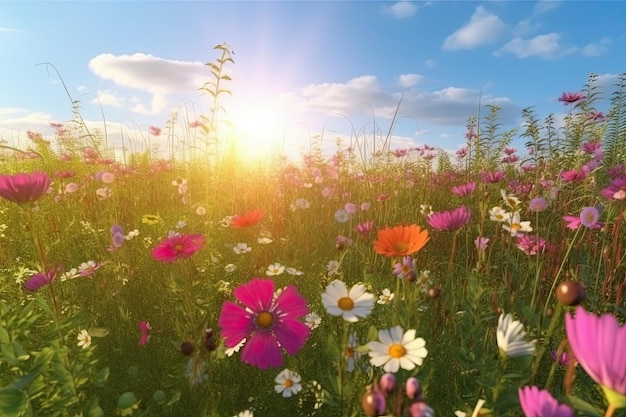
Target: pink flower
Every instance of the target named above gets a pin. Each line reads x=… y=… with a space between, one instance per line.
x=573 y=175
x=155 y=131
x=481 y=242
x=570 y=98
x=24 y=188
x=598 y=345
x=612 y=191
x=144 y=328
x=449 y=221
x=39 y=280
x=540 y=403
x=176 y=247
x=364 y=228
x=530 y=245
x=464 y=189
x=267 y=322
x=491 y=177
x=351 y=208
x=573 y=222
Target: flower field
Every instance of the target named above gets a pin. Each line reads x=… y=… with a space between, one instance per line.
x=398 y=282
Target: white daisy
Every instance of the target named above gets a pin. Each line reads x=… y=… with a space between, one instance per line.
x=514 y=226
x=313 y=320
x=397 y=349
x=385 y=296
x=511 y=338
x=84 y=339
x=240 y=248
x=498 y=214
x=352 y=305
x=288 y=383
x=231 y=351
x=245 y=413
x=275 y=269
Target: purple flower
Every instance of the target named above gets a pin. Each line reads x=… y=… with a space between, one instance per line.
x=39 y=280
x=538 y=204
x=405 y=268
x=450 y=221
x=598 y=343
x=481 y=242
x=117 y=237
x=589 y=217
x=540 y=403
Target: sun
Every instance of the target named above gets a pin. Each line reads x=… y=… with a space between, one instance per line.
x=257 y=133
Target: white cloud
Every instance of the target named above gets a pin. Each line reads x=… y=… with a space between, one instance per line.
x=595 y=49
x=544 y=6
x=108 y=98
x=402 y=9
x=409 y=80
x=483 y=28
x=449 y=106
x=542 y=46
x=158 y=76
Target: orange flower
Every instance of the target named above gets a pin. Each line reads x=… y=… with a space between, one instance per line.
x=400 y=240
x=246 y=220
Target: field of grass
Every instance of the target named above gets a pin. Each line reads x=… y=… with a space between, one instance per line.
x=206 y=286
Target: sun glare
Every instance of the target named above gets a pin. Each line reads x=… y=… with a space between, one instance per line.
x=258 y=134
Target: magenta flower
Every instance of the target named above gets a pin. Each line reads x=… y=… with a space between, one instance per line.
x=540 y=403
x=491 y=177
x=266 y=321
x=40 y=279
x=24 y=188
x=144 y=328
x=615 y=190
x=464 y=189
x=570 y=98
x=574 y=175
x=449 y=221
x=598 y=343
x=176 y=247
x=563 y=360
x=155 y=131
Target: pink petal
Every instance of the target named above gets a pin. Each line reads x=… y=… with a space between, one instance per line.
x=257 y=294
x=291 y=334
x=290 y=302
x=262 y=350
x=236 y=323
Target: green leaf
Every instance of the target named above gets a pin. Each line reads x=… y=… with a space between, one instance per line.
x=98 y=331
x=4 y=336
x=43 y=358
x=13 y=403
x=101 y=377
x=584 y=407
x=25 y=380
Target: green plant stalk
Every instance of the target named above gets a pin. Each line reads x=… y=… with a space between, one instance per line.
x=537 y=264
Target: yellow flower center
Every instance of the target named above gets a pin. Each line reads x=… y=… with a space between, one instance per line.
x=345 y=303
x=401 y=247
x=265 y=319
x=288 y=383
x=516 y=226
x=396 y=351
x=178 y=248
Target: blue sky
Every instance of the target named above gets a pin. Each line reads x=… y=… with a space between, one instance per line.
x=303 y=68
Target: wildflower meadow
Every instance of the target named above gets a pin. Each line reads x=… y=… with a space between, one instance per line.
x=180 y=280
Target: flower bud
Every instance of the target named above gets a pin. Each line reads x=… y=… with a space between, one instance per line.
x=413 y=388
x=373 y=402
x=186 y=348
x=387 y=382
x=420 y=409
